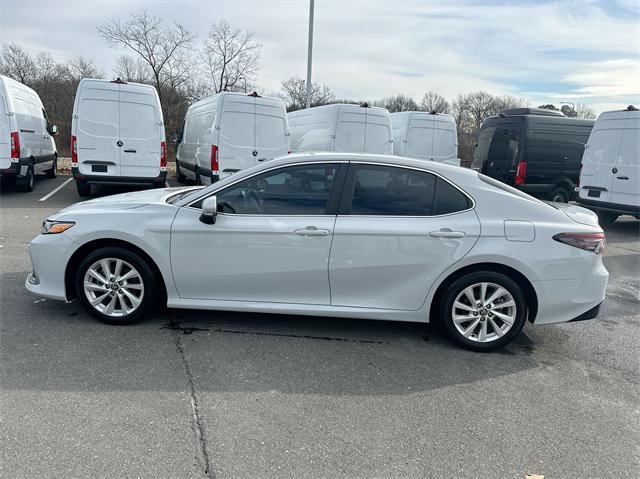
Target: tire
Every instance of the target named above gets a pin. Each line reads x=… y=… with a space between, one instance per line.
x=180 y=177
x=130 y=298
x=53 y=172
x=84 y=188
x=29 y=181
x=559 y=195
x=485 y=318
x=607 y=217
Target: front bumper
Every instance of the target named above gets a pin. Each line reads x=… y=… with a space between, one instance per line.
x=49 y=257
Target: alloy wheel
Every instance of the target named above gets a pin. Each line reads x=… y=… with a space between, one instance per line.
x=484 y=312
x=113 y=287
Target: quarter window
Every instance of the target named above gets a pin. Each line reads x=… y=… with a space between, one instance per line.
x=296 y=190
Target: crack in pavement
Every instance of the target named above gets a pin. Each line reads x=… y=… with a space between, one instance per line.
x=196 y=423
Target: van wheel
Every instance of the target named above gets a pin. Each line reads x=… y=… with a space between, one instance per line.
x=559 y=195
x=84 y=188
x=115 y=285
x=52 y=173
x=28 y=182
x=483 y=310
x=181 y=178
x=606 y=217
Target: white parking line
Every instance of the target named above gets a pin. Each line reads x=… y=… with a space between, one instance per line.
x=49 y=195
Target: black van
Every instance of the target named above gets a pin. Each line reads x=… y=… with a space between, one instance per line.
x=536 y=150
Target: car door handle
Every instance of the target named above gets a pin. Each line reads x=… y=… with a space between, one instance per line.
x=623 y=177
x=129 y=151
x=447 y=233
x=311 y=231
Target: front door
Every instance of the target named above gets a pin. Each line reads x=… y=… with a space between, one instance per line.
x=397 y=230
x=270 y=242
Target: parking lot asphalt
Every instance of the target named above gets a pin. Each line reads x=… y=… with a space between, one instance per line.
x=216 y=394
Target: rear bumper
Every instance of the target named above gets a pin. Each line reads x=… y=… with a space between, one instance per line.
x=592 y=313
x=119 y=180
x=610 y=207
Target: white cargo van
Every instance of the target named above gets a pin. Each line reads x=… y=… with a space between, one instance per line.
x=26 y=137
x=117 y=135
x=341 y=127
x=610 y=174
x=229 y=132
x=426 y=136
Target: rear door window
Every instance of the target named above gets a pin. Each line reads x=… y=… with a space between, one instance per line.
x=270 y=131
x=378 y=138
x=99 y=118
x=138 y=121
x=238 y=128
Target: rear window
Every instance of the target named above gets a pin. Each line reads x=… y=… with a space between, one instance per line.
x=270 y=131
x=238 y=128
x=138 y=121
x=378 y=137
x=349 y=137
x=98 y=118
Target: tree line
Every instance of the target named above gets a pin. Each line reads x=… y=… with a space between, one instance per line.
x=167 y=56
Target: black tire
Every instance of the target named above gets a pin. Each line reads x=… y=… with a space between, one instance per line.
x=459 y=285
x=559 y=195
x=84 y=188
x=179 y=176
x=149 y=295
x=607 y=217
x=53 y=171
x=27 y=184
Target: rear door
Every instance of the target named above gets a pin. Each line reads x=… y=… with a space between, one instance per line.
x=350 y=130
x=237 y=124
x=5 y=133
x=502 y=158
x=444 y=141
x=599 y=160
x=378 y=132
x=626 y=181
x=271 y=129
x=141 y=132
x=420 y=137
x=98 y=129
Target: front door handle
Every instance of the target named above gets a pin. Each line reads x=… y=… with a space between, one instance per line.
x=311 y=231
x=623 y=177
x=129 y=151
x=447 y=233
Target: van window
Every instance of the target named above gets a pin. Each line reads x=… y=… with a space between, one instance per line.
x=349 y=137
x=294 y=190
x=238 y=128
x=198 y=124
x=630 y=149
x=270 y=131
x=604 y=146
x=391 y=191
x=419 y=141
x=99 y=118
x=443 y=143
x=482 y=146
x=138 y=121
x=378 y=137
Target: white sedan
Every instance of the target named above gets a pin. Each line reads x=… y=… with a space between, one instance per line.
x=358 y=236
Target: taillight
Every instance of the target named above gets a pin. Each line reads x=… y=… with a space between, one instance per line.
x=214 y=159
x=74 y=151
x=521 y=172
x=163 y=156
x=15 y=145
x=593 y=242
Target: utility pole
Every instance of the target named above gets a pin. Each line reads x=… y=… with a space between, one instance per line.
x=309 y=54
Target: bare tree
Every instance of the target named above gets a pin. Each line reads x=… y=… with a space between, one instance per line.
x=133 y=69
x=432 y=101
x=17 y=64
x=230 y=58
x=397 y=103
x=294 y=93
x=148 y=37
x=81 y=67
x=585 y=111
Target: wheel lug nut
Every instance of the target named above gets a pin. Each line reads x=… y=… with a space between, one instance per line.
x=475 y=313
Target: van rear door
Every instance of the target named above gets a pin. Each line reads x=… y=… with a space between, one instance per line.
x=350 y=130
x=98 y=129
x=141 y=132
x=420 y=137
x=5 y=133
x=444 y=140
x=599 y=160
x=271 y=129
x=502 y=157
x=625 y=187
x=378 y=132
x=237 y=137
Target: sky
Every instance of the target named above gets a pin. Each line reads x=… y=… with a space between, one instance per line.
x=585 y=51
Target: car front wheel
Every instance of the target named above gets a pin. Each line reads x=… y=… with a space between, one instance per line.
x=115 y=285
x=483 y=310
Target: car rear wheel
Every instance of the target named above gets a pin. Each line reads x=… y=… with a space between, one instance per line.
x=115 y=285
x=483 y=310
x=559 y=195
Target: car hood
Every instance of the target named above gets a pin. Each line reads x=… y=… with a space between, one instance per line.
x=125 y=201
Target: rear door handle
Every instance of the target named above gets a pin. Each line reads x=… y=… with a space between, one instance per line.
x=129 y=151
x=623 y=177
x=311 y=231
x=447 y=233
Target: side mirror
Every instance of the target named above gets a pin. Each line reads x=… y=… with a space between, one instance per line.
x=54 y=129
x=209 y=210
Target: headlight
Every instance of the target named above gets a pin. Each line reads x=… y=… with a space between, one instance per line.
x=55 y=227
